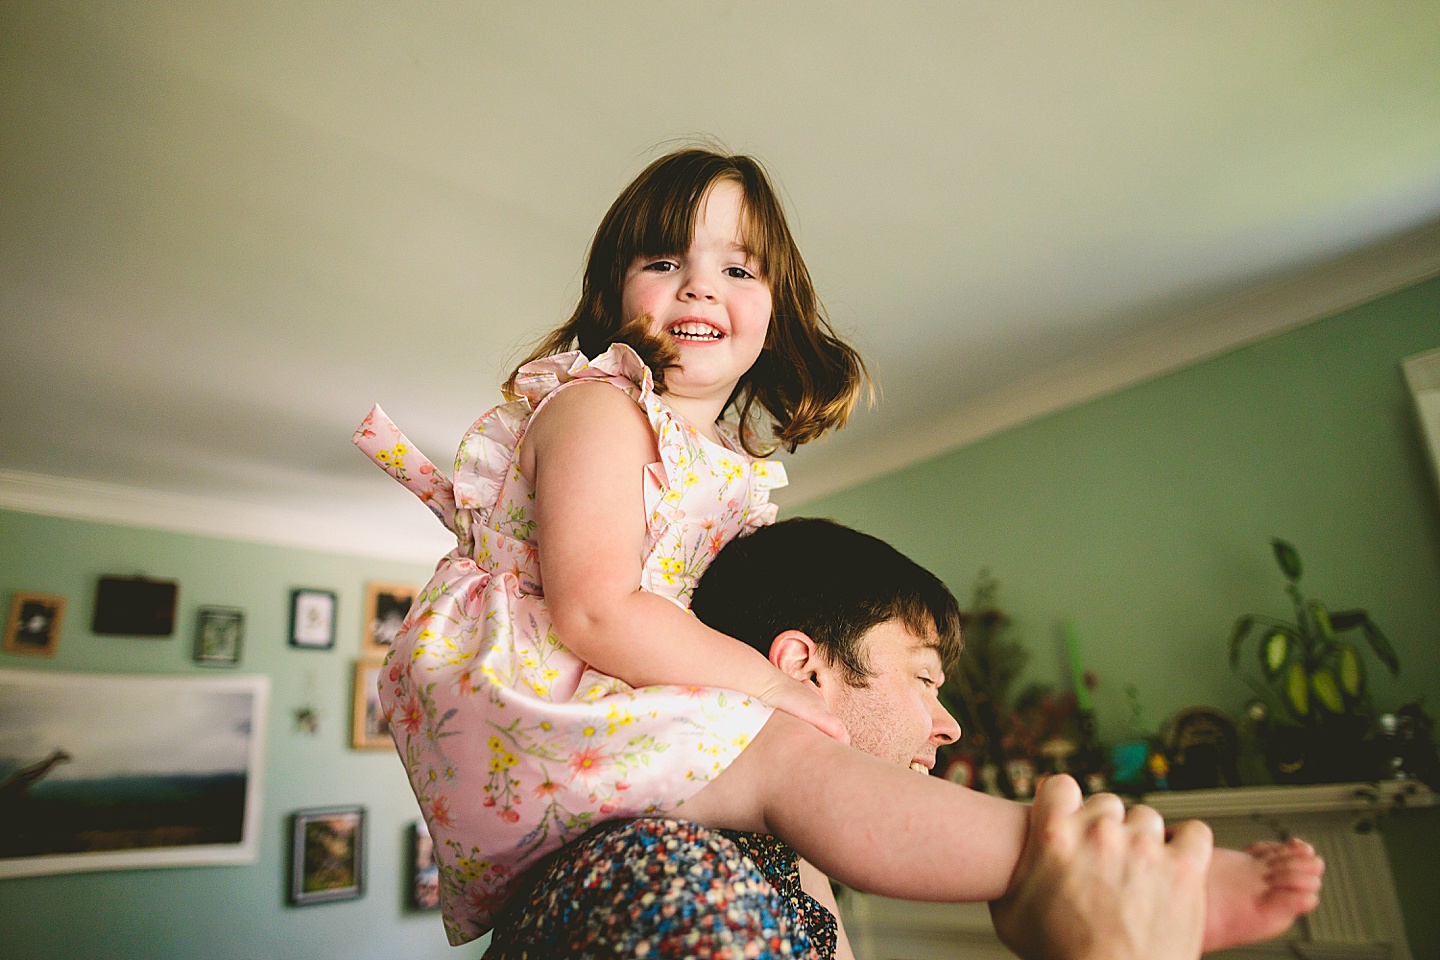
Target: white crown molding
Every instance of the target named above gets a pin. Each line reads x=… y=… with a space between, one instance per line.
x=379 y=537
x=1188 y=338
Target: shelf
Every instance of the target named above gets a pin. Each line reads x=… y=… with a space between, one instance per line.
x=1311 y=798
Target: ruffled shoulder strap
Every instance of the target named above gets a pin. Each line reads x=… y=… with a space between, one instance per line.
x=486 y=459
x=621 y=365
x=380 y=440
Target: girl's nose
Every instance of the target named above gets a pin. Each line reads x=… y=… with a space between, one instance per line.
x=696 y=288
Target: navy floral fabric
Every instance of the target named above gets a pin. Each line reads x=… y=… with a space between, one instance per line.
x=665 y=888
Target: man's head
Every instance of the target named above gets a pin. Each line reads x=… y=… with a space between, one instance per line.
x=872 y=629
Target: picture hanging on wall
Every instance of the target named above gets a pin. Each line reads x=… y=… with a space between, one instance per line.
x=386 y=605
x=134 y=607
x=327 y=855
x=219 y=632
x=34 y=625
x=312 y=619
x=128 y=772
x=369 y=729
x=424 y=872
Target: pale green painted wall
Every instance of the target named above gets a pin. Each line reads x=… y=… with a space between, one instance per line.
x=234 y=911
x=1146 y=517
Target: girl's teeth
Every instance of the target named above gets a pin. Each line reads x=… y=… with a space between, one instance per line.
x=919 y=767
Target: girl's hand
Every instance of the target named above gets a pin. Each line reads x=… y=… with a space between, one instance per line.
x=802 y=701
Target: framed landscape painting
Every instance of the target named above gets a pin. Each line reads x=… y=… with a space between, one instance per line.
x=113 y=772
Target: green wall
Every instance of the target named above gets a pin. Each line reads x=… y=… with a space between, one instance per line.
x=225 y=911
x=1146 y=516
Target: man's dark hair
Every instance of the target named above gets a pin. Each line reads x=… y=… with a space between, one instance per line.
x=829 y=581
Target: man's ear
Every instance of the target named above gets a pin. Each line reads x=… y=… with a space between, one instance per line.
x=795 y=654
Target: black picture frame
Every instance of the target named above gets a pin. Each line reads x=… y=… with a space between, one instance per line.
x=424 y=871
x=134 y=607
x=312 y=619
x=327 y=855
x=219 y=636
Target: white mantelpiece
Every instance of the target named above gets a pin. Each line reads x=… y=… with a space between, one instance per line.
x=1359 y=914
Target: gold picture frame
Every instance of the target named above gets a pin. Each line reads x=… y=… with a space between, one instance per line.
x=369 y=729
x=33 y=629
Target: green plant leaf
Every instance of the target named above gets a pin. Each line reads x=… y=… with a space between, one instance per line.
x=1380 y=645
x=1351 y=671
x=1297 y=690
x=1274 y=651
x=1321 y=617
x=1327 y=691
x=1288 y=558
x=1238 y=634
x=1342 y=620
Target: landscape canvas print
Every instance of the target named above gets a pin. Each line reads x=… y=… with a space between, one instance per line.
x=106 y=772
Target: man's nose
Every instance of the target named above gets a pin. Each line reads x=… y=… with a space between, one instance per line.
x=944 y=728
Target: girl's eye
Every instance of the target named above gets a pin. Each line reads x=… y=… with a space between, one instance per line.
x=927 y=681
x=739 y=273
x=662 y=266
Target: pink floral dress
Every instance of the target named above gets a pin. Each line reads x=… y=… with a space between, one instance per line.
x=513 y=745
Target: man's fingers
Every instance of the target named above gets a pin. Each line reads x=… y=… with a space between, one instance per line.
x=1193 y=840
x=1056 y=796
x=1104 y=806
x=1146 y=821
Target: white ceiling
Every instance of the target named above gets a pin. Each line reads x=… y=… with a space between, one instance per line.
x=227 y=227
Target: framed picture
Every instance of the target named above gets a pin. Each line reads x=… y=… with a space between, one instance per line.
x=130 y=771
x=386 y=605
x=327 y=855
x=369 y=730
x=312 y=619
x=134 y=607
x=34 y=625
x=219 y=632
x=424 y=872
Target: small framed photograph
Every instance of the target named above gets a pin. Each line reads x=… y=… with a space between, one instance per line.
x=34 y=625
x=327 y=855
x=219 y=633
x=369 y=729
x=386 y=606
x=424 y=871
x=312 y=619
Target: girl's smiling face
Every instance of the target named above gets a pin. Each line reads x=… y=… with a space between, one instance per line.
x=710 y=301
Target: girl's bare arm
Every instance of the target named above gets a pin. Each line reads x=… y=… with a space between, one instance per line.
x=585 y=454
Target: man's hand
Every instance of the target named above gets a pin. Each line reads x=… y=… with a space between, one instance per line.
x=1097 y=883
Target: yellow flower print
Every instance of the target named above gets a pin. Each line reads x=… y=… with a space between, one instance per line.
x=546 y=725
x=496 y=744
x=733 y=471
x=588 y=732
x=741 y=741
x=670 y=569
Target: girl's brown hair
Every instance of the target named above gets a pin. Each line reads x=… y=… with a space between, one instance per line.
x=806 y=378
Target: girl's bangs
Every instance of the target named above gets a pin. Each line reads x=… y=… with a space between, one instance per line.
x=666 y=225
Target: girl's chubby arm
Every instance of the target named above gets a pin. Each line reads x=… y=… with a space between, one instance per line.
x=584 y=454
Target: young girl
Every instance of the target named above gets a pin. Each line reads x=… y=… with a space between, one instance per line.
x=526 y=715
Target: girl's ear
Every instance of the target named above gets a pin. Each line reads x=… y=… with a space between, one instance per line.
x=796 y=655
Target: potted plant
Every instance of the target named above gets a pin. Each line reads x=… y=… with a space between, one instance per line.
x=1315 y=674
